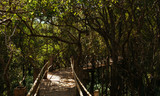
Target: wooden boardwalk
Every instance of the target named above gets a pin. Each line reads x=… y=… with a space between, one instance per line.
x=58 y=83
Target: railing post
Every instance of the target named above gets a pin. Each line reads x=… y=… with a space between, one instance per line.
x=92 y=75
x=35 y=73
x=20 y=91
x=45 y=68
x=51 y=63
x=96 y=93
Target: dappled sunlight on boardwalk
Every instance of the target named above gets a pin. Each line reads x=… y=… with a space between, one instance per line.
x=58 y=83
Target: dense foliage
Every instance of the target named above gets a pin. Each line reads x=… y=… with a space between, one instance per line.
x=33 y=30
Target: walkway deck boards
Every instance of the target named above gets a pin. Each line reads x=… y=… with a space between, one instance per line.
x=58 y=83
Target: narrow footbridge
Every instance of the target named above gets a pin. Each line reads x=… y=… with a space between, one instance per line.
x=62 y=82
x=58 y=83
x=65 y=82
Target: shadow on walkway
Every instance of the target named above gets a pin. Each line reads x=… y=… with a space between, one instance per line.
x=58 y=83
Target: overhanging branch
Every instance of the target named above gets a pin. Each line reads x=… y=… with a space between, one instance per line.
x=6 y=20
x=28 y=26
x=55 y=37
x=14 y=12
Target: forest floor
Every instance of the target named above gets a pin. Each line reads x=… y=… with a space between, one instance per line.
x=58 y=83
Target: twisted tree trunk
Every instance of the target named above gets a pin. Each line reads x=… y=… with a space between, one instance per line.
x=6 y=75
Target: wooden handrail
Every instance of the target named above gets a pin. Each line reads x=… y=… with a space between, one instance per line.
x=42 y=77
x=77 y=80
x=72 y=66
x=37 y=80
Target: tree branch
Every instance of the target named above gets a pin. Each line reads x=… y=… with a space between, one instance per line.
x=82 y=31
x=57 y=38
x=6 y=20
x=28 y=26
x=14 y=12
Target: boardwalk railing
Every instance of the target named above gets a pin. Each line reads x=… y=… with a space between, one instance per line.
x=77 y=80
x=35 y=87
x=98 y=63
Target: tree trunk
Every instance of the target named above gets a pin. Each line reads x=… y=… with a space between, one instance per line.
x=1 y=71
x=114 y=71
x=6 y=75
x=114 y=79
x=158 y=22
